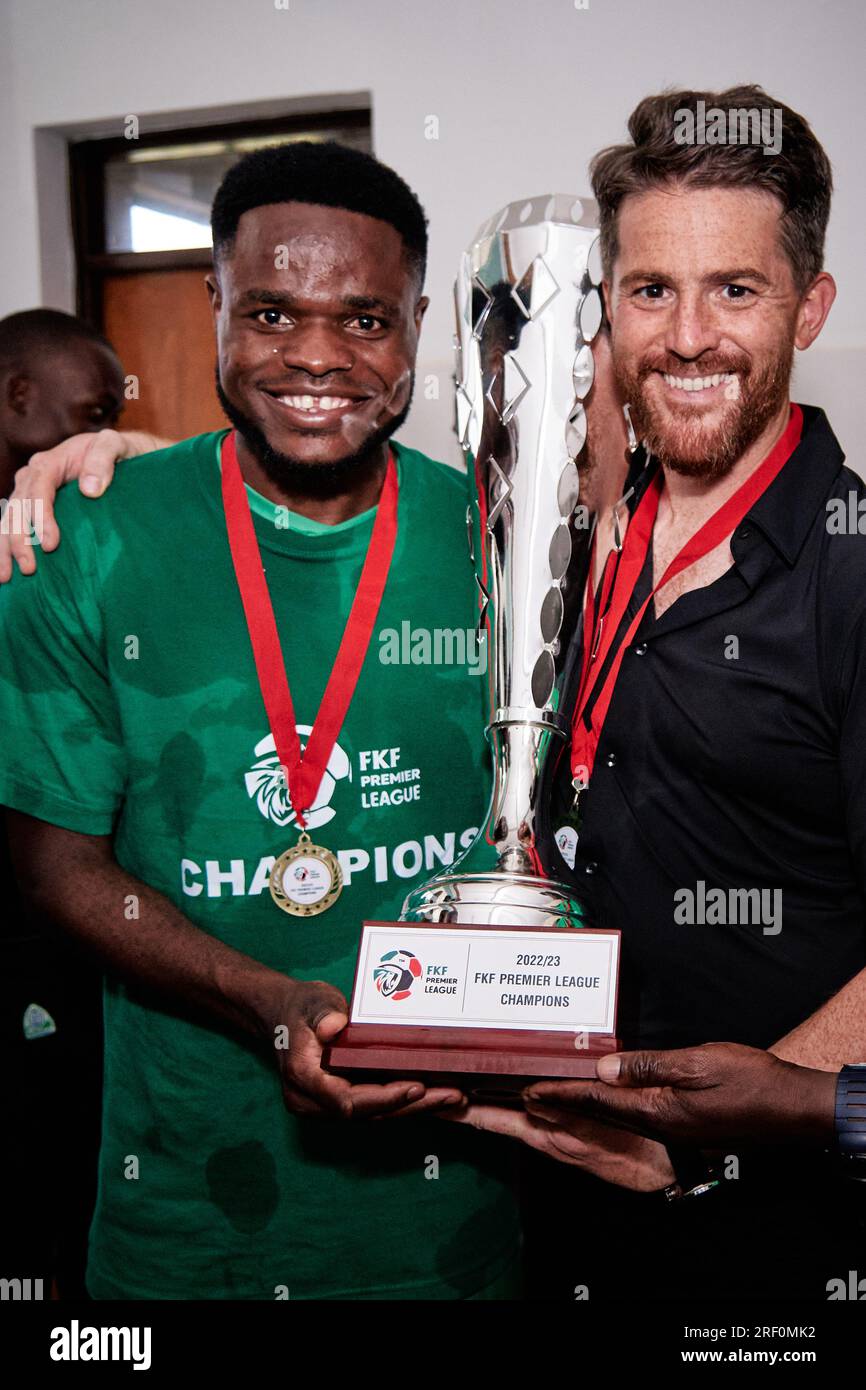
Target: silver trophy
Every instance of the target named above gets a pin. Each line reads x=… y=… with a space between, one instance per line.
x=528 y=308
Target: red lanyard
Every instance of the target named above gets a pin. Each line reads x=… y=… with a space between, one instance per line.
x=592 y=633
x=305 y=773
x=599 y=639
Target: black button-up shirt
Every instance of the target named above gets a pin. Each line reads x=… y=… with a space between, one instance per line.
x=734 y=757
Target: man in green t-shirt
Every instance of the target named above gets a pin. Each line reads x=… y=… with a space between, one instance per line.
x=149 y=805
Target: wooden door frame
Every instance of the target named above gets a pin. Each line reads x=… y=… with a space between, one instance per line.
x=87 y=160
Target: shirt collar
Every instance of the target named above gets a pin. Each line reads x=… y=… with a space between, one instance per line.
x=786 y=511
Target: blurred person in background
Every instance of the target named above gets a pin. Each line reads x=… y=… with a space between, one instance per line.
x=58 y=376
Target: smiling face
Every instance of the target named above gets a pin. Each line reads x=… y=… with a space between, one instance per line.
x=705 y=318
x=317 y=313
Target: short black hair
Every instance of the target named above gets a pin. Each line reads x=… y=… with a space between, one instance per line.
x=325 y=172
x=33 y=331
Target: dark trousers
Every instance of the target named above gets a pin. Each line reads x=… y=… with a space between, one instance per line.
x=782 y=1230
x=51 y=1093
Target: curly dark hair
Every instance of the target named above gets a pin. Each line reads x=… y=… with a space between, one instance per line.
x=307 y=171
x=799 y=175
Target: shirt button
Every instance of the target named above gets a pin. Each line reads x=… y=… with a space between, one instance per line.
x=591 y=867
x=611 y=759
x=641 y=650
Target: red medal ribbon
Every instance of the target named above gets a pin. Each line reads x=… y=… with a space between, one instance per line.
x=599 y=639
x=305 y=773
x=592 y=634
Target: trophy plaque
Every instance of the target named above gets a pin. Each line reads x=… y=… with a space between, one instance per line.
x=493 y=976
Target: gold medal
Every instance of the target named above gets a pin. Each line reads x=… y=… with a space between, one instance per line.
x=306 y=879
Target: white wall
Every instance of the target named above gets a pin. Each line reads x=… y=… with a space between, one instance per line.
x=524 y=91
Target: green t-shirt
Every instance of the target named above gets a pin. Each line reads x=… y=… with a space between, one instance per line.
x=130 y=704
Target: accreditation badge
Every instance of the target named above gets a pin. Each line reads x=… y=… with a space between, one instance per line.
x=306 y=879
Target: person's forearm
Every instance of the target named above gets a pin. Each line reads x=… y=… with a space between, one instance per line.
x=142 y=937
x=141 y=442
x=832 y=1036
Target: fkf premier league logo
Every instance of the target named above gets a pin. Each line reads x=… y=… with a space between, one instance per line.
x=267 y=784
x=396 y=973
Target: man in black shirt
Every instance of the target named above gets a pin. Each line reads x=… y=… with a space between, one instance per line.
x=733 y=757
x=721 y=726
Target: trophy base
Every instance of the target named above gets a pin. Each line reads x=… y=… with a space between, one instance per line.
x=485 y=1064
x=504 y=987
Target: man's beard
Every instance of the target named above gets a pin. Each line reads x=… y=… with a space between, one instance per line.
x=320 y=480
x=682 y=444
